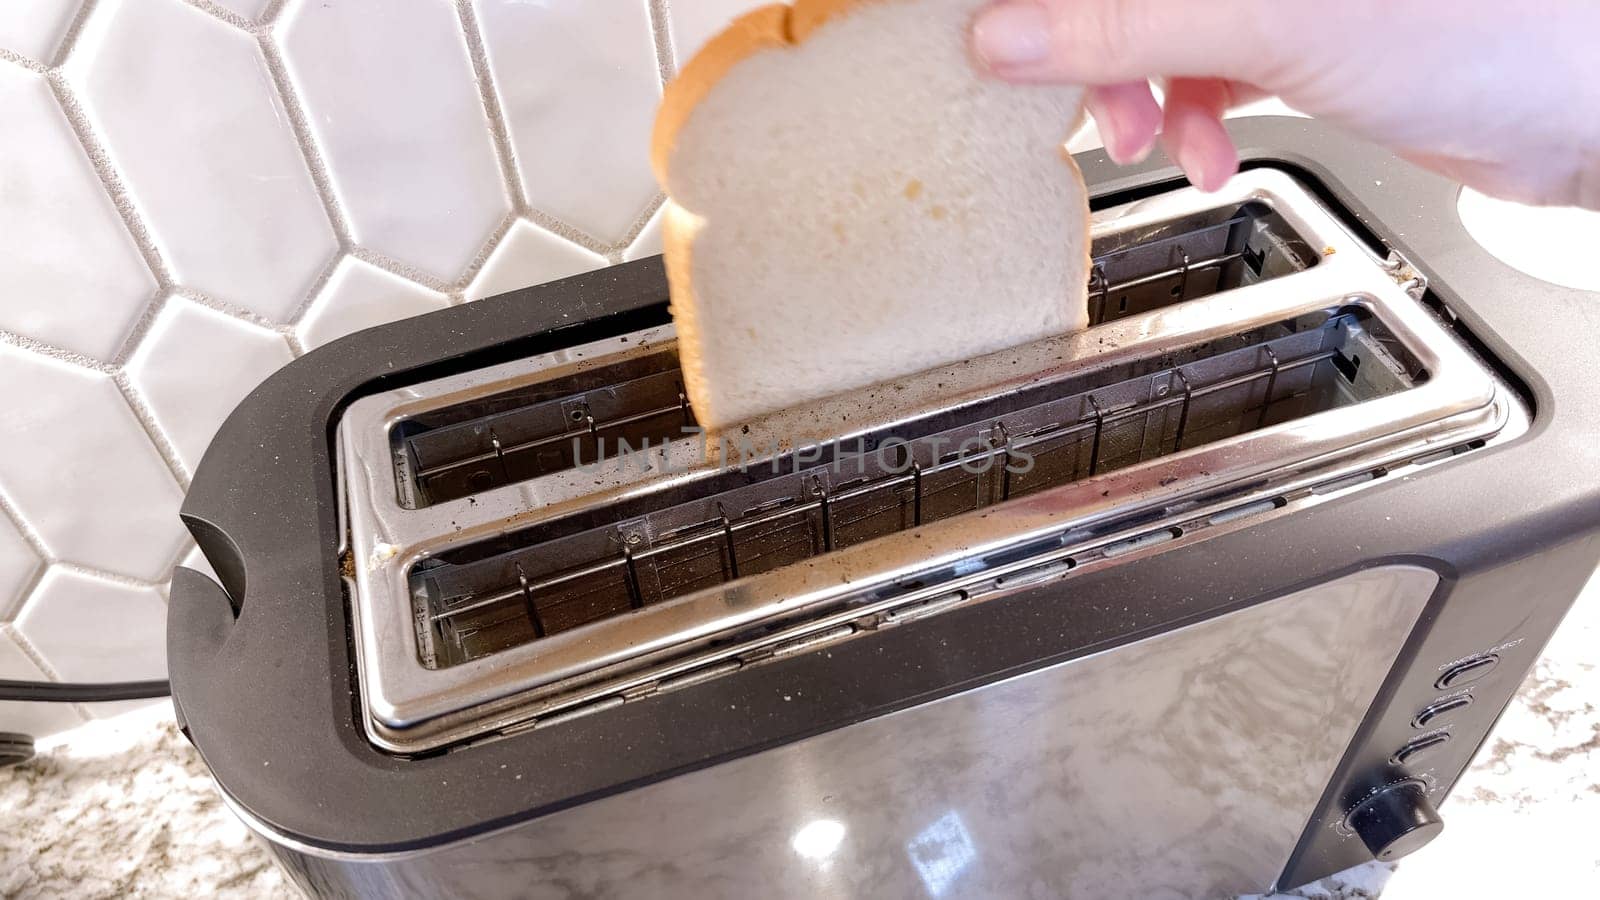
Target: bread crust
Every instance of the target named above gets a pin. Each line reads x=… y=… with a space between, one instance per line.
x=765 y=28
x=776 y=26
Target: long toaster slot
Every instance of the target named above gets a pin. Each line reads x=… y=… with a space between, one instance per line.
x=541 y=429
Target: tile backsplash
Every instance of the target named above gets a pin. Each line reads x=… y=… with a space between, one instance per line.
x=194 y=192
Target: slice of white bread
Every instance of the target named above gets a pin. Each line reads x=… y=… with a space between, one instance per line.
x=851 y=201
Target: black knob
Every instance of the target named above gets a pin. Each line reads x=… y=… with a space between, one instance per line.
x=1396 y=820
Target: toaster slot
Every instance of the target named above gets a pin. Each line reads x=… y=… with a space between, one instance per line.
x=616 y=406
x=539 y=429
x=615 y=557
x=1203 y=253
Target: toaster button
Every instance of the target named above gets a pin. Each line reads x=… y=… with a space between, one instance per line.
x=1467 y=672
x=1420 y=748
x=1441 y=710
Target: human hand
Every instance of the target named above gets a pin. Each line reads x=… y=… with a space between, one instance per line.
x=1504 y=99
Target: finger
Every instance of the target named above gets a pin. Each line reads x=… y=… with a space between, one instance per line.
x=1193 y=133
x=1115 y=41
x=1129 y=118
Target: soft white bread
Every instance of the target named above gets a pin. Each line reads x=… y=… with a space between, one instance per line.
x=852 y=201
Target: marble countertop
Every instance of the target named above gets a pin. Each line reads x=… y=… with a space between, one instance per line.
x=123 y=807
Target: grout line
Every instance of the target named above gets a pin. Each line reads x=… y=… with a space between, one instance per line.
x=23 y=61
x=322 y=178
x=222 y=306
x=300 y=126
x=141 y=327
x=31 y=652
x=37 y=658
x=482 y=258
x=110 y=179
x=228 y=16
x=296 y=348
x=153 y=430
x=69 y=39
x=112 y=577
x=318 y=284
x=35 y=541
x=483 y=73
x=59 y=354
x=556 y=226
x=395 y=267
x=13 y=606
x=642 y=222
x=269 y=16
x=111 y=182
x=43 y=665
x=661 y=30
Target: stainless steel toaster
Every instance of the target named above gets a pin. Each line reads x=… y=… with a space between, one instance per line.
x=1219 y=595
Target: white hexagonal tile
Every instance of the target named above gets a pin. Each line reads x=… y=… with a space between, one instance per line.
x=360 y=295
x=34 y=719
x=695 y=21
x=390 y=93
x=56 y=216
x=81 y=470
x=579 y=85
x=34 y=28
x=194 y=367
x=648 y=243
x=92 y=630
x=18 y=564
x=250 y=9
x=197 y=561
x=189 y=116
x=529 y=255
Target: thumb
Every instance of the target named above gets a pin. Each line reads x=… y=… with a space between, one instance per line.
x=1111 y=41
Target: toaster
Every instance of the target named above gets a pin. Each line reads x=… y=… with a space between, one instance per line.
x=1218 y=596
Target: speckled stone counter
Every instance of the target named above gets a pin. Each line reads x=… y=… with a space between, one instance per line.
x=125 y=808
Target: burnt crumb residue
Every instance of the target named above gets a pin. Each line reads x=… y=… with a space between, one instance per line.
x=1169 y=480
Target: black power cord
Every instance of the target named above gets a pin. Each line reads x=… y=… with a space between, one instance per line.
x=53 y=692
x=18 y=748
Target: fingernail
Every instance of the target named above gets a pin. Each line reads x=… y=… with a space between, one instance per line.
x=1127 y=155
x=1012 y=35
x=1142 y=151
x=1197 y=167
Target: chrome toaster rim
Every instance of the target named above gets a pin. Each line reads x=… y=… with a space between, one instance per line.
x=410 y=707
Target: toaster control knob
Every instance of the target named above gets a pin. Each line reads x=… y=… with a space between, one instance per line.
x=1396 y=820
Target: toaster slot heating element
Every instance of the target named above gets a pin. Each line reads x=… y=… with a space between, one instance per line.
x=538 y=535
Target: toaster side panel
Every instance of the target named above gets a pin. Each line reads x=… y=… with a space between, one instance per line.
x=1185 y=763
